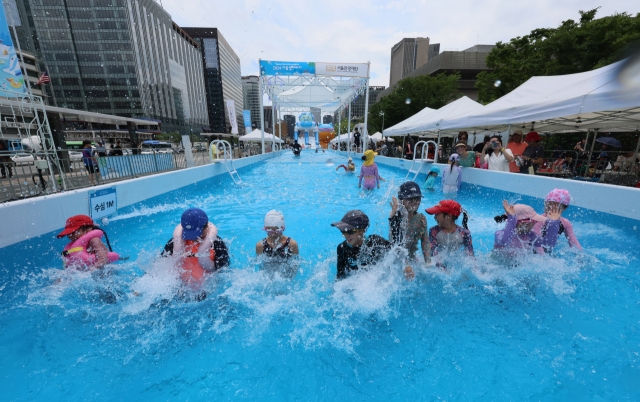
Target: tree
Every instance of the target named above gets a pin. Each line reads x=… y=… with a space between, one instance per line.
x=410 y=96
x=571 y=48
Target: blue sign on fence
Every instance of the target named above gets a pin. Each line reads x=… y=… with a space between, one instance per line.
x=286 y=67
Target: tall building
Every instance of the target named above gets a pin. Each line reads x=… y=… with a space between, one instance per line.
x=357 y=105
x=291 y=124
x=327 y=119
x=222 y=75
x=409 y=54
x=251 y=97
x=468 y=63
x=122 y=57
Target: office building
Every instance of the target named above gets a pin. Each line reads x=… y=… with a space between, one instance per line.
x=468 y=63
x=268 y=119
x=357 y=105
x=408 y=55
x=291 y=124
x=223 y=80
x=327 y=119
x=125 y=58
x=251 y=97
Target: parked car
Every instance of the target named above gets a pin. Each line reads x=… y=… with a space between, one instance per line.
x=22 y=159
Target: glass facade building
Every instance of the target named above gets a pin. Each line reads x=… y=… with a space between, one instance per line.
x=251 y=96
x=121 y=57
x=221 y=66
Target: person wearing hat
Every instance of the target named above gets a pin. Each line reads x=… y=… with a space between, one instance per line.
x=276 y=247
x=369 y=171
x=447 y=236
x=85 y=249
x=350 y=167
x=196 y=244
x=533 y=155
x=518 y=234
x=555 y=203
x=357 y=250
x=452 y=176
x=407 y=226
x=466 y=158
x=430 y=181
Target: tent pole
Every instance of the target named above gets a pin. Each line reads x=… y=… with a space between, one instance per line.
x=365 y=130
x=349 y=132
x=273 y=123
x=261 y=112
x=593 y=144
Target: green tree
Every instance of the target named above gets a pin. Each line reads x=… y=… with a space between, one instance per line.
x=571 y=48
x=410 y=96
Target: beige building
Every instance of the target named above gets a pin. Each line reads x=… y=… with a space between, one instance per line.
x=408 y=55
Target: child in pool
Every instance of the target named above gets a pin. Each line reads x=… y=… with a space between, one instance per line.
x=452 y=176
x=518 y=233
x=85 y=249
x=407 y=226
x=447 y=236
x=369 y=171
x=558 y=200
x=349 y=168
x=430 y=181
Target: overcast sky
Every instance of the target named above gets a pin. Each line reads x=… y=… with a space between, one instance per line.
x=365 y=30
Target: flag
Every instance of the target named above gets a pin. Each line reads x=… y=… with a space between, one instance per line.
x=44 y=78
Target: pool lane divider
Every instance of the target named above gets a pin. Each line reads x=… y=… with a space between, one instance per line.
x=33 y=217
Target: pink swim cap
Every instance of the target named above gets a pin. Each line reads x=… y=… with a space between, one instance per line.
x=559 y=195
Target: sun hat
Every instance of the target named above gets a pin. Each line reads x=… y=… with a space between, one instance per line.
x=559 y=195
x=409 y=189
x=446 y=206
x=273 y=219
x=434 y=169
x=354 y=219
x=193 y=222
x=460 y=144
x=533 y=136
x=526 y=212
x=454 y=157
x=368 y=157
x=74 y=223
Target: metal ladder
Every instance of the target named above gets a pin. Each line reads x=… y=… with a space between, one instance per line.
x=423 y=159
x=228 y=159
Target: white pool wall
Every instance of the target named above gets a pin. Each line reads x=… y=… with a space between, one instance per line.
x=615 y=200
x=25 y=219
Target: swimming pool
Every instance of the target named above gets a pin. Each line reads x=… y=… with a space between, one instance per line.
x=562 y=327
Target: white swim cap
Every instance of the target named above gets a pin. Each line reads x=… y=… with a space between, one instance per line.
x=274 y=219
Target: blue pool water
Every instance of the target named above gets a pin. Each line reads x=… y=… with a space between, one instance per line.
x=563 y=327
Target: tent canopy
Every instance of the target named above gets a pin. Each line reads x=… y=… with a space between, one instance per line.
x=593 y=99
x=425 y=122
x=256 y=135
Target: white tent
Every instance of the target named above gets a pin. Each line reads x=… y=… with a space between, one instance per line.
x=407 y=124
x=341 y=138
x=256 y=135
x=425 y=122
x=378 y=137
x=593 y=99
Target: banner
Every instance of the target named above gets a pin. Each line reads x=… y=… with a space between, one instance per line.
x=246 y=115
x=286 y=67
x=231 y=109
x=343 y=69
x=10 y=73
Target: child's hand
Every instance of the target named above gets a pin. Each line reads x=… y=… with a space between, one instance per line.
x=509 y=209
x=408 y=273
x=394 y=206
x=554 y=212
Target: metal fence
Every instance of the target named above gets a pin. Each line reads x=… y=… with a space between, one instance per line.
x=24 y=177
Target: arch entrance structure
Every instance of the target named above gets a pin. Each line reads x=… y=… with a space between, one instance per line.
x=306 y=88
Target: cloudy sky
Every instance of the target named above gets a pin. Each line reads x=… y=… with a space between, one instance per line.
x=365 y=30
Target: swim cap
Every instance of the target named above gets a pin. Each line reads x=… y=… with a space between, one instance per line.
x=434 y=169
x=526 y=212
x=559 y=195
x=274 y=219
x=368 y=157
x=454 y=157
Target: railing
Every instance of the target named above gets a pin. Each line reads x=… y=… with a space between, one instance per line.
x=23 y=178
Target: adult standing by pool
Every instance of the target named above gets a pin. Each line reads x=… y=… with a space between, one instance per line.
x=90 y=161
x=356 y=139
x=517 y=147
x=533 y=155
x=500 y=157
x=466 y=158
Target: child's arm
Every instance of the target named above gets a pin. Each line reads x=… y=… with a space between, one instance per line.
x=97 y=247
x=459 y=176
x=425 y=245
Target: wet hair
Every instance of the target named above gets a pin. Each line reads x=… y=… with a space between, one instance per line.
x=500 y=218
x=465 y=218
x=452 y=163
x=364 y=158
